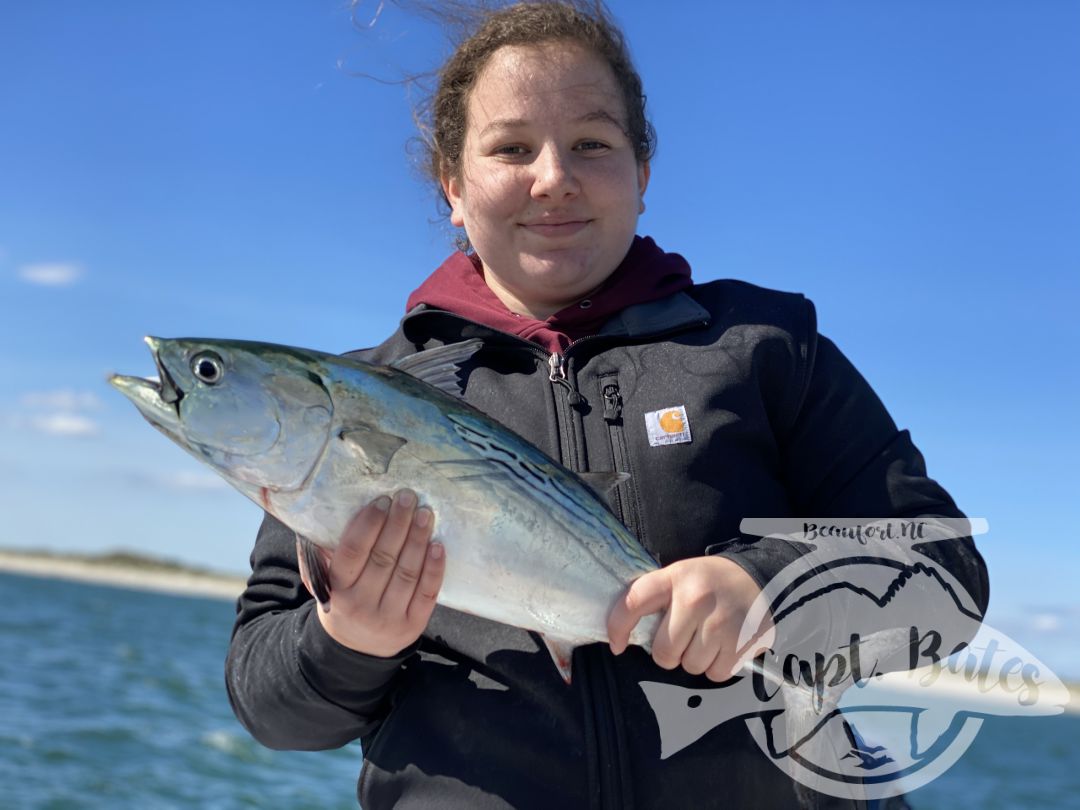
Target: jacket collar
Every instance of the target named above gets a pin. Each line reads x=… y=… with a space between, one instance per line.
x=678 y=311
x=652 y=319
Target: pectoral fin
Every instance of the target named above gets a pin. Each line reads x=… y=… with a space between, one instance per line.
x=373 y=450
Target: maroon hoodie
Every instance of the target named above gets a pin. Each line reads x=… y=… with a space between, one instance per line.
x=646 y=274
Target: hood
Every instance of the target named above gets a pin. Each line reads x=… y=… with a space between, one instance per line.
x=646 y=274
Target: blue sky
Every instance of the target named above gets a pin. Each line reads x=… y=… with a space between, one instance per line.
x=220 y=169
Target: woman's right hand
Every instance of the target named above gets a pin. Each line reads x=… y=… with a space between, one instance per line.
x=384 y=576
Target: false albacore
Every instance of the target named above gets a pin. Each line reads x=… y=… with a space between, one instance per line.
x=312 y=437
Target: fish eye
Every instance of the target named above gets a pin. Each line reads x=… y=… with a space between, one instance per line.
x=207 y=367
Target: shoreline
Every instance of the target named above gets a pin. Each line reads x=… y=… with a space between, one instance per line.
x=148 y=574
x=152 y=575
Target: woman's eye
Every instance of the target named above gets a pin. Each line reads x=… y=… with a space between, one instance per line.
x=510 y=150
x=591 y=146
x=208 y=368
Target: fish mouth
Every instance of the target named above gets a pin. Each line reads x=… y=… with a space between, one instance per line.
x=157 y=399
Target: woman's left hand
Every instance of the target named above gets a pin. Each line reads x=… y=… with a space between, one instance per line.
x=705 y=600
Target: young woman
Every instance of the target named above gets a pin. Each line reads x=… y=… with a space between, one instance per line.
x=541 y=146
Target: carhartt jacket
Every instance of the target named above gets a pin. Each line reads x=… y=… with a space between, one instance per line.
x=774 y=422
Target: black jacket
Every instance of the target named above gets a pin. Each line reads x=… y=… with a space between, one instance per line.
x=476 y=716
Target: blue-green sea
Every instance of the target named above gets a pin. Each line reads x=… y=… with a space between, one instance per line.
x=113 y=698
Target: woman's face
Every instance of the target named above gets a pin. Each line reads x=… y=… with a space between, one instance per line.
x=549 y=190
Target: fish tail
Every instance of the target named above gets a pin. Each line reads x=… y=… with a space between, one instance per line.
x=316 y=567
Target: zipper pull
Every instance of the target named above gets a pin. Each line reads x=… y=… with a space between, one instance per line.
x=557 y=375
x=612 y=403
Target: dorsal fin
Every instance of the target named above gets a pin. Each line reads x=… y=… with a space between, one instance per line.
x=440 y=366
x=603 y=483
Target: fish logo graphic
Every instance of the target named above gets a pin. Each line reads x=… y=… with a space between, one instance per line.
x=878 y=671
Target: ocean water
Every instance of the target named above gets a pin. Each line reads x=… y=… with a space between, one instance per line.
x=111 y=698
x=115 y=698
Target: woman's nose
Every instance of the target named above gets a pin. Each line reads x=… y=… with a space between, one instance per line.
x=554 y=175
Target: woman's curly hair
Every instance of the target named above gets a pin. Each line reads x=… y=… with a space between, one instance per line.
x=443 y=119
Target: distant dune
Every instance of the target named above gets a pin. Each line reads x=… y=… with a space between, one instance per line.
x=123 y=569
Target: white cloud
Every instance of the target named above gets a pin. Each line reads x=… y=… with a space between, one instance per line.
x=61 y=412
x=60 y=400
x=65 y=424
x=54 y=274
x=1046 y=622
x=1054 y=620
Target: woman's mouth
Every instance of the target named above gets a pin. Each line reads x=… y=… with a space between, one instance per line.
x=555 y=229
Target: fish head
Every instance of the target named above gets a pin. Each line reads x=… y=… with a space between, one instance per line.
x=258 y=414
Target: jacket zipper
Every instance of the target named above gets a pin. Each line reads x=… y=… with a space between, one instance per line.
x=625 y=495
x=628 y=508
x=557 y=375
x=557 y=364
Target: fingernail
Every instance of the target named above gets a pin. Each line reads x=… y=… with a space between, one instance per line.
x=382 y=503
x=422 y=517
x=406 y=498
x=436 y=551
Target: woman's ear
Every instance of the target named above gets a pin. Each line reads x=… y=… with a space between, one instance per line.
x=452 y=189
x=643 y=183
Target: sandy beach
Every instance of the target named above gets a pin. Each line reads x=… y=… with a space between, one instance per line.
x=149 y=577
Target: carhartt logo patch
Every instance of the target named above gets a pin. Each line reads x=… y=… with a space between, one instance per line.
x=668 y=426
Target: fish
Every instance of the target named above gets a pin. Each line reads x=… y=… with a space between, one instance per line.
x=312 y=437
